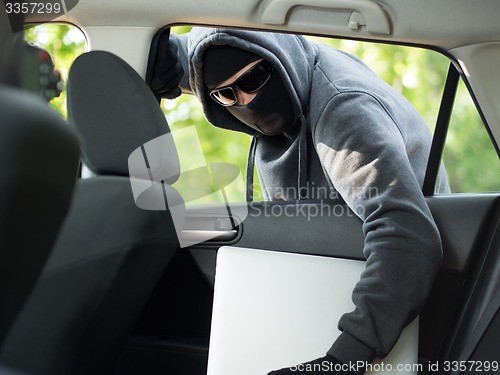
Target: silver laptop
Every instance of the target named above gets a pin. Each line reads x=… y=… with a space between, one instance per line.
x=274 y=310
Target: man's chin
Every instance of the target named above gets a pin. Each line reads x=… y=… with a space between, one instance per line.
x=272 y=125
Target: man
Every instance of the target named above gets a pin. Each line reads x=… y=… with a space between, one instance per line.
x=320 y=117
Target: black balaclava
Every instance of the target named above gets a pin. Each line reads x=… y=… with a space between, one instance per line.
x=221 y=62
x=271 y=112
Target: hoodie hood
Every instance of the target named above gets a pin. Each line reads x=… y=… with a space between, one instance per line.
x=292 y=57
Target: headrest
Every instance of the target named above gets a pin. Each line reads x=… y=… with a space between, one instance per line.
x=11 y=54
x=34 y=139
x=113 y=111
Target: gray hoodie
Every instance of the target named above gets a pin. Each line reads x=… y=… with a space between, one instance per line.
x=358 y=139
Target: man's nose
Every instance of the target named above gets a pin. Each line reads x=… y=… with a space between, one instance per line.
x=244 y=98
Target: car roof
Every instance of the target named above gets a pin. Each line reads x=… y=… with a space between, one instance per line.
x=443 y=24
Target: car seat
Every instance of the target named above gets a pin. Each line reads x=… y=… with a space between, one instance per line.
x=110 y=253
x=39 y=158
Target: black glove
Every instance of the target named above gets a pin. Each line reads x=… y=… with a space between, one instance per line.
x=168 y=71
x=321 y=366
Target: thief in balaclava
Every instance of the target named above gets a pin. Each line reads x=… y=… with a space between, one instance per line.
x=323 y=125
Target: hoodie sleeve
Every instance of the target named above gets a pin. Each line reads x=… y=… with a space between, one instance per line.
x=363 y=153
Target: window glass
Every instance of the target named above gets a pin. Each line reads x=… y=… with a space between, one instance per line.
x=198 y=142
x=418 y=74
x=470 y=158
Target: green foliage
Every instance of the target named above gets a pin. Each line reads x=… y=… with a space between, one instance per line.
x=471 y=162
x=469 y=156
x=218 y=145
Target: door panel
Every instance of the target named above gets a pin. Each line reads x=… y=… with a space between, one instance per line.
x=180 y=308
x=461 y=220
x=172 y=335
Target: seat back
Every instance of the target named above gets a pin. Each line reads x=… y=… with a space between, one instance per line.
x=476 y=325
x=110 y=254
x=38 y=165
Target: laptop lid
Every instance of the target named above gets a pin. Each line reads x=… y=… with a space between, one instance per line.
x=273 y=310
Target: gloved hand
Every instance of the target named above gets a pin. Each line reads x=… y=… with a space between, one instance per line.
x=321 y=366
x=168 y=71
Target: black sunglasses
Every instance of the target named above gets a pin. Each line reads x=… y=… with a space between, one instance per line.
x=252 y=80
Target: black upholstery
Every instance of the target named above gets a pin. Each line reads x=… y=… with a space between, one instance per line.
x=125 y=115
x=38 y=165
x=477 y=319
x=10 y=48
x=8 y=371
x=110 y=254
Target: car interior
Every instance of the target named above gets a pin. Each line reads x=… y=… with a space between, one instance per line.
x=94 y=284
x=37 y=149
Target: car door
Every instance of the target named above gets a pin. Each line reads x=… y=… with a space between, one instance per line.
x=457 y=323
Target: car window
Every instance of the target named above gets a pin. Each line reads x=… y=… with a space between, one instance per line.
x=417 y=73
x=470 y=157
x=420 y=76
x=200 y=144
